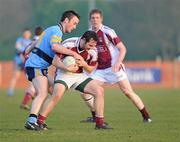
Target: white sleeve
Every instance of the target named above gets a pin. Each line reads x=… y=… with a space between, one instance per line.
x=94 y=54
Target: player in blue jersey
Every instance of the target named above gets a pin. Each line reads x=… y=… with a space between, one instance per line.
x=19 y=59
x=30 y=91
x=41 y=57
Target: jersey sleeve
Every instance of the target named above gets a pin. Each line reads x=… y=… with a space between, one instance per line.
x=18 y=45
x=93 y=56
x=56 y=38
x=113 y=37
x=70 y=42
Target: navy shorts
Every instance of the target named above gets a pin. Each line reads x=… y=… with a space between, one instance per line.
x=34 y=72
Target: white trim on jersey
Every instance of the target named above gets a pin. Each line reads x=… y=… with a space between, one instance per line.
x=114 y=51
x=74 y=42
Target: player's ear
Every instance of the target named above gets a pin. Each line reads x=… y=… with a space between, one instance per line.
x=83 y=41
x=66 y=20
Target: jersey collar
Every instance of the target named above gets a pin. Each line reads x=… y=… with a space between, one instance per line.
x=78 y=46
x=60 y=26
x=100 y=27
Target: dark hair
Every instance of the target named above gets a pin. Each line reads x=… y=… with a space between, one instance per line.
x=98 y=11
x=69 y=14
x=26 y=29
x=88 y=35
x=38 y=30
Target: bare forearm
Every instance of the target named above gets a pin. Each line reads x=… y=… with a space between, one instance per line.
x=88 y=68
x=29 y=48
x=58 y=63
x=122 y=52
x=62 y=50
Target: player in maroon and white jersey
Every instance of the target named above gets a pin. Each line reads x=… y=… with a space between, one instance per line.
x=72 y=76
x=111 y=53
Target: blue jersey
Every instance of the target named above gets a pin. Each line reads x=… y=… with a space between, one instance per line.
x=39 y=57
x=21 y=44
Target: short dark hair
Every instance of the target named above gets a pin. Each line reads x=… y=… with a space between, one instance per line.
x=26 y=29
x=69 y=14
x=38 y=30
x=88 y=35
x=98 y=11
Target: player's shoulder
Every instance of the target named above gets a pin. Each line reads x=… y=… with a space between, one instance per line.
x=19 y=39
x=71 y=42
x=35 y=38
x=107 y=30
x=54 y=30
x=72 y=39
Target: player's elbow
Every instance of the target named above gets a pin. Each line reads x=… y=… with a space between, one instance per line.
x=55 y=47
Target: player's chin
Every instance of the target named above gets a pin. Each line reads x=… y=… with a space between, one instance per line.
x=69 y=31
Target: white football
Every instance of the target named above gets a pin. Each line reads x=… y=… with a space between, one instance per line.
x=69 y=60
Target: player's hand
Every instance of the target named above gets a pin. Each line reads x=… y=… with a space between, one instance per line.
x=72 y=68
x=116 y=67
x=77 y=56
x=81 y=63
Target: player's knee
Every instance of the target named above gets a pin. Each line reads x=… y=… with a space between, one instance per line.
x=57 y=94
x=99 y=91
x=57 y=97
x=86 y=96
x=42 y=92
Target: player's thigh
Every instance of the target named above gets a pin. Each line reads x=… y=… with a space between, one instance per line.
x=125 y=86
x=40 y=84
x=50 y=84
x=50 y=81
x=86 y=96
x=94 y=88
x=31 y=88
x=58 y=90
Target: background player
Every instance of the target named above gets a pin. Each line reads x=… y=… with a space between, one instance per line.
x=18 y=64
x=30 y=91
x=77 y=79
x=41 y=58
x=111 y=53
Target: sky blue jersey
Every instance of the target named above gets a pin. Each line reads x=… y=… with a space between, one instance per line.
x=42 y=55
x=21 y=44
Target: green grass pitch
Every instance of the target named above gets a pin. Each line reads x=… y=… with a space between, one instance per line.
x=163 y=104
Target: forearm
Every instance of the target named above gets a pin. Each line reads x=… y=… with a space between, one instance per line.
x=29 y=49
x=121 y=56
x=88 y=68
x=122 y=52
x=62 y=50
x=58 y=63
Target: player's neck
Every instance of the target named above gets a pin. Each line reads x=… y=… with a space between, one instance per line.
x=96 y=28
x=61 y=26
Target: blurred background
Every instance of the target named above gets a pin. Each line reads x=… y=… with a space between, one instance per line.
x=149 y=29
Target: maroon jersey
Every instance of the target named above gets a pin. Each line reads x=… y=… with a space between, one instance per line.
x=107 y=52
x=89 y=56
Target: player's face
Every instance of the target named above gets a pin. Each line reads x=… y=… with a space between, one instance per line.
x=96 y=20
x=71 y=24
x=27 y=34
x=89 y=45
